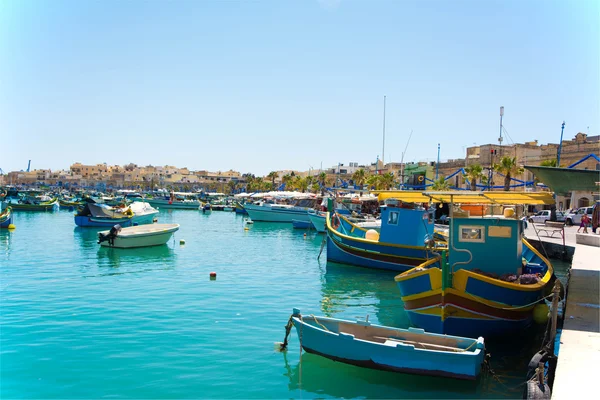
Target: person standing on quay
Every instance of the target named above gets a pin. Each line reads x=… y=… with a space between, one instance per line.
x=585 y=220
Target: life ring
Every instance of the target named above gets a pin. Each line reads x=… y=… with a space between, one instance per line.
x=335 y=221
x=421 y=178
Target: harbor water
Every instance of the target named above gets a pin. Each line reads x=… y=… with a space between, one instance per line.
x=79 y=321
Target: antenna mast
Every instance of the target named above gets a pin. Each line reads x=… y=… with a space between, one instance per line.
x=383 y=150
x=501 y=115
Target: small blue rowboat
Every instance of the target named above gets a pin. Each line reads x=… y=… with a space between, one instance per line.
x=411 y=350
x=297 y=224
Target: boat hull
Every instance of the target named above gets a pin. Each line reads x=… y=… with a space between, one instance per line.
x=149 y=239
x=474 y=305
x=167 y=204
x=6 y=218
x=301 y=224
x=52 y=206
x=269 y=214
x=89 y=221
x=350 y=346
x=318 y=222
x=373 y=255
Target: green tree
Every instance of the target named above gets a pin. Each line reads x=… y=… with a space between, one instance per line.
x=474 y=172
x=272 y=176
x=315 y=187
x=509 y=168
x=232 y=186
x=441 y=184
x=287 y=181
x=360 y=177
x=387 y=181
x=374 y=182
x=322 y=178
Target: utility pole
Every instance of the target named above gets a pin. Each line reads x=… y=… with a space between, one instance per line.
x=501 y=115
x=383 y=150
x=562 y=130
x=437 y=164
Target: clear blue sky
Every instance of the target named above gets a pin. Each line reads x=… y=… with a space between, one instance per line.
x=267 y=85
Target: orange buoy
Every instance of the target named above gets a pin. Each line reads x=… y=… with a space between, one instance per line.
x=213 y=275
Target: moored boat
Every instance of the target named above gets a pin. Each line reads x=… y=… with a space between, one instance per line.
x=490 y=279
x=32 y=205
x=101 y=215
x=302 y=224
x=411 y=350
x=137 y=236
x=405 y=239
x=5 y=217
x=176 y=200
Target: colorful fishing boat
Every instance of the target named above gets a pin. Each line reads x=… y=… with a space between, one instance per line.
x=5 y=217
x=32 y=204
x=101 y=215
x=239 y=208
x=405 y=239
x=488 y=281
x=67 y=205
x=411 y=350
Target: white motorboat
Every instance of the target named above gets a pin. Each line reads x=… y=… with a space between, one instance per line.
x=137 y=236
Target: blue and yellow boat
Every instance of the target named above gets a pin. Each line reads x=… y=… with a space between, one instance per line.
x=490 y=278
x=405 y=239
x=5 y=217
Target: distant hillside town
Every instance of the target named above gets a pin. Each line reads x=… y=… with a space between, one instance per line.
x=481 y=169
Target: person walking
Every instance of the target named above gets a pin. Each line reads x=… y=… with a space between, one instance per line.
x=585 y=220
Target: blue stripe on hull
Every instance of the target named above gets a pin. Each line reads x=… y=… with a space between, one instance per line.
x=467 y=327
x=334 y=253
x=501 y=294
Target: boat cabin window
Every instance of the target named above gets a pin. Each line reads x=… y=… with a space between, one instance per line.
x=469 y=233
x=393 y=219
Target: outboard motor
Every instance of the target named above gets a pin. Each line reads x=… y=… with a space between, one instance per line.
x=110 y=236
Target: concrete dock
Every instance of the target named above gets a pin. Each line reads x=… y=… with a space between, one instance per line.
x=579 y=353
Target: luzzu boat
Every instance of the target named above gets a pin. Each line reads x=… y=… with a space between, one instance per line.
x=490 y=278
x=176 y=200
x=404 y=241
x=5 y=217
x=32 y=204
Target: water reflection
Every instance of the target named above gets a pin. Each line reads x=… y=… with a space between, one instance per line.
x=5 y=239
x=138 y=259
x=355 y=291
x=346 y=381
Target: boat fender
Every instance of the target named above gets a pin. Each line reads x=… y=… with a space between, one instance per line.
x=536 y=390
x=539 y=357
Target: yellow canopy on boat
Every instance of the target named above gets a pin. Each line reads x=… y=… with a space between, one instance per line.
x=464 y=197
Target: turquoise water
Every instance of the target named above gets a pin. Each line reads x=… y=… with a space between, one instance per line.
x=79 y=321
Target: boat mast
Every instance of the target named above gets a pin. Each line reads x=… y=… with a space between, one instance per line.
x=383 y=150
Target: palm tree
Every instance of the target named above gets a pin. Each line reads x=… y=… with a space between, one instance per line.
x=322 y=178
x=232 y=186
x=287 y=181
x=441 y=184
x=508 y=167
x=315 y=188
x=373 y=181
x=473 y=173
x=549 y=163
x=272 y=176
x=387 y=181
x=359 y=177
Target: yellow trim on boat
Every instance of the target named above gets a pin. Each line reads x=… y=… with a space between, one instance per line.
x=463 y=197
